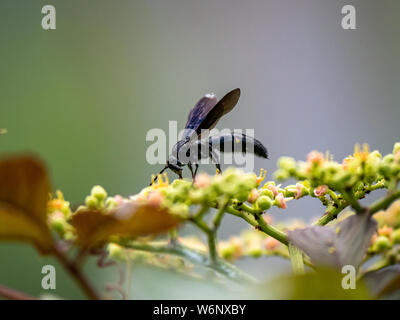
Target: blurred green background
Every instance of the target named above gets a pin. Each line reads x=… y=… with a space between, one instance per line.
x=83 y=96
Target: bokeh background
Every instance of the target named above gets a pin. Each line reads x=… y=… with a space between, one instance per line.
x=83 y=97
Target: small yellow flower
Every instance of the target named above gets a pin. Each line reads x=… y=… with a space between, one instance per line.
x=262 y=176
x=162 y=181
x=361 y=154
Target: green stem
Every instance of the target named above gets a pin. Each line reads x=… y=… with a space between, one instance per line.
x=331 y=213
x=212 y=246
x=384 y=203
x=258 y=222
x=296 y=258
x=194 y=256
x=249 y=209
x=270 y=230
x=220 y=214
x=210 y=233
x=249 y=218
x=349 y=197
x=333 y=196
x=173 y=235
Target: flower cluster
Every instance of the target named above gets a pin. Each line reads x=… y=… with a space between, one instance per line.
x=387 y=239
x=164 y=206
x=250 y=243
x=358 y=174
x=233 y=186
x=59 y=212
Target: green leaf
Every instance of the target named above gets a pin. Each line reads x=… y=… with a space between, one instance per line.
x=325 y=284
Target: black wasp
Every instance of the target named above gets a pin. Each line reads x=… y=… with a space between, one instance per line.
x=204 y=116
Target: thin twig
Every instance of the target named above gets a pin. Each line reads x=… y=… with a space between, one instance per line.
x=76 y=273
x=197 y=257
x=12 y=294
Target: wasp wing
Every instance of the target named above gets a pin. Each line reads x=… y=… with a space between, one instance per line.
x=209 y=110
x=200 y=111
x=198 y=114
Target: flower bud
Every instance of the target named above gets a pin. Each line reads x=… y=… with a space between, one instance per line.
x=376 y=154
x=264 y=202
x=396 y=148
x=385 y=231
x=180 y=209
x=271 y=243
x=196 y=196
x=255 y=251
x=99 y=193
x=203 y=180
x=57 y=222
x=226 y=250
x=290 y=191
x=359 y=186
x=320 y=191
x=288 y=164
x=253 y=196
x=384 y=169
x=111 y=203
x=155 y=198
x=91 y=202
x=315 y=157
x=281 y=174
x=381 y=243
x=395 y=236
x=388 y=159
x=280 y=201
x=267 y=192
x=273 y=188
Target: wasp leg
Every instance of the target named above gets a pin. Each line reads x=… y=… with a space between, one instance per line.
x=195 y=170
x=214 y=158
x=191 y=170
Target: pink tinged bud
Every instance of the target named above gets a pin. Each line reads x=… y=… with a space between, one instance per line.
x=280 y=200
x=119 y=199
x=57 y=215
x=203 y=180
x=315 y=157
x=385 y=231
x=299 y=191
x=397 y=157
x=253 y=196
x=271 y=243
x=346 y=161
x=321 y=190
x=373 y=238
x=273 y=189
x=155 y=198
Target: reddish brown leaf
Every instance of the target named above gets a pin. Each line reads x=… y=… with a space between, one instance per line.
x=24 y=190
x=95 y=227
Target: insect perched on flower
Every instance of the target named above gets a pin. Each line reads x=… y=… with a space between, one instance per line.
x=204 y=116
